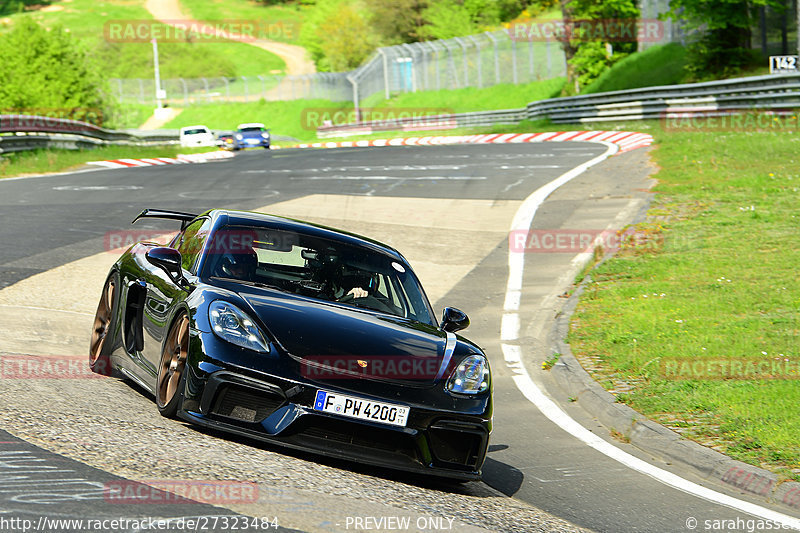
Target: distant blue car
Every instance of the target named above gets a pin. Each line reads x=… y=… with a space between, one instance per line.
x=251 y=135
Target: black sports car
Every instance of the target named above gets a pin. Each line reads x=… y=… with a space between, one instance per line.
x=297 y=334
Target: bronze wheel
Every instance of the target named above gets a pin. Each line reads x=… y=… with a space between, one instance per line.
x=102 y=326
x=172 y=366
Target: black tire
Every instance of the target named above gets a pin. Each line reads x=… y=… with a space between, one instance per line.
x=101 y=342
x=171 y=379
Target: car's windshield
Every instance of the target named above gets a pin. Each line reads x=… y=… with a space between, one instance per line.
x=195 y=131
x=316 y=267
x=252 y=128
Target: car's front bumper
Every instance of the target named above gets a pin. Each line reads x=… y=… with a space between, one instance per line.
x=279 y=409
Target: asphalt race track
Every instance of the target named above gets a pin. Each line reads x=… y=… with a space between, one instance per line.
x=448 y=209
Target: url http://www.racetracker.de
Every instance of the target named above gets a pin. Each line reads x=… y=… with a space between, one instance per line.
x=196 y=524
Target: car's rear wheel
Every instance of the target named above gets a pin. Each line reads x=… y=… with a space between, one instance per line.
x=172 y=368
x=99 y=345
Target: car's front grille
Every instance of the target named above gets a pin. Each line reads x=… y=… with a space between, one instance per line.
x=245 y=404
x=360 y=435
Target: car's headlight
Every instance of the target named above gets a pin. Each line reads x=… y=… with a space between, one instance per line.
x=231 y=324
x=471 y=376
x=265 y=135
x=239 y=136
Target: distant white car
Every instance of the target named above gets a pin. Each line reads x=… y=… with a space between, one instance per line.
x=197 y=136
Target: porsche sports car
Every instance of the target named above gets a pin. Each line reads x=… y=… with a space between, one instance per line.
x=251 y=135
x=296 y=334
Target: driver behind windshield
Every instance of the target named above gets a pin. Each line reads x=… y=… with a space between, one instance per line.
x=240 y=265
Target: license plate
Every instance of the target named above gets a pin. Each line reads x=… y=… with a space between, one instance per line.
x=253 y=141
x=352 y=407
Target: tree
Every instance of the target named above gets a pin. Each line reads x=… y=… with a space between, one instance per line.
x=588 y=48
x=722 y=44
x=398 y=21
x=45 y=69
x=337 y=35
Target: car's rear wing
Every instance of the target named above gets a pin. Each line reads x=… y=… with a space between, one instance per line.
x=185 y=218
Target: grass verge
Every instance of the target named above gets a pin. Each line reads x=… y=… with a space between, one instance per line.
x=502 y=96
x=88 y=21
x=45 y=161
x=710 y=288
x=296 y=118
x=658 y=65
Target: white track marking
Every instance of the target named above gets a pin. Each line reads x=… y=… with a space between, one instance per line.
x=509 y=332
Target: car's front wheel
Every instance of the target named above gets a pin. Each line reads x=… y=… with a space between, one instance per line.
x=100 y=344
x=172 y=368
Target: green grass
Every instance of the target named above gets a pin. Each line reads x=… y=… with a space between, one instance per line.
x=291 y=118
x=87 y=19
x=502 y=96
x=283 y=118
x=281 y=22
x=725 y=209
x=658 y=65
x=45 y=161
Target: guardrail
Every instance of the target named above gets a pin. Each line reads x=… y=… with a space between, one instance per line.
x=428 y=122
x=707 y=99
x=27 y=132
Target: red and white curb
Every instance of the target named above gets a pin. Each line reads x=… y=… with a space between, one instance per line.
x=625 y=140
x=155 y=161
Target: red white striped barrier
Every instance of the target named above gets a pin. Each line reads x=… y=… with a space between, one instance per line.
x=625 y=140
x=180 y=159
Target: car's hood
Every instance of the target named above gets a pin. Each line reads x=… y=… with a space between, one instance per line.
x=252 y=134
x=326 y=338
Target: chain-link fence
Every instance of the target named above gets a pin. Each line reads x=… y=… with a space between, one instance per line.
x=472 y=61
x=182 y=92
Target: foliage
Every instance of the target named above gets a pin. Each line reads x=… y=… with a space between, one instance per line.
x=722 y=46
x=8 y=7
x=587 y=55
x=338 y=35
x=658 y=65
x=46 y=70
x=455 y=18
x=398 y=21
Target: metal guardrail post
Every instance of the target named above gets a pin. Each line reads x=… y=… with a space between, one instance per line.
x=477 y=44
x=205 y=89
x=438 y=68
x=227 y=88
x=353 y=81
x=496 y=58
x=464 y=57
x=451 y=64
x=513 y=60
x=185 y=92
x=385 y=72
x=246 y=95
x=530 y=59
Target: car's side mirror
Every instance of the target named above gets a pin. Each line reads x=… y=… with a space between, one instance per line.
x=454 y=319
x=168 y=260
